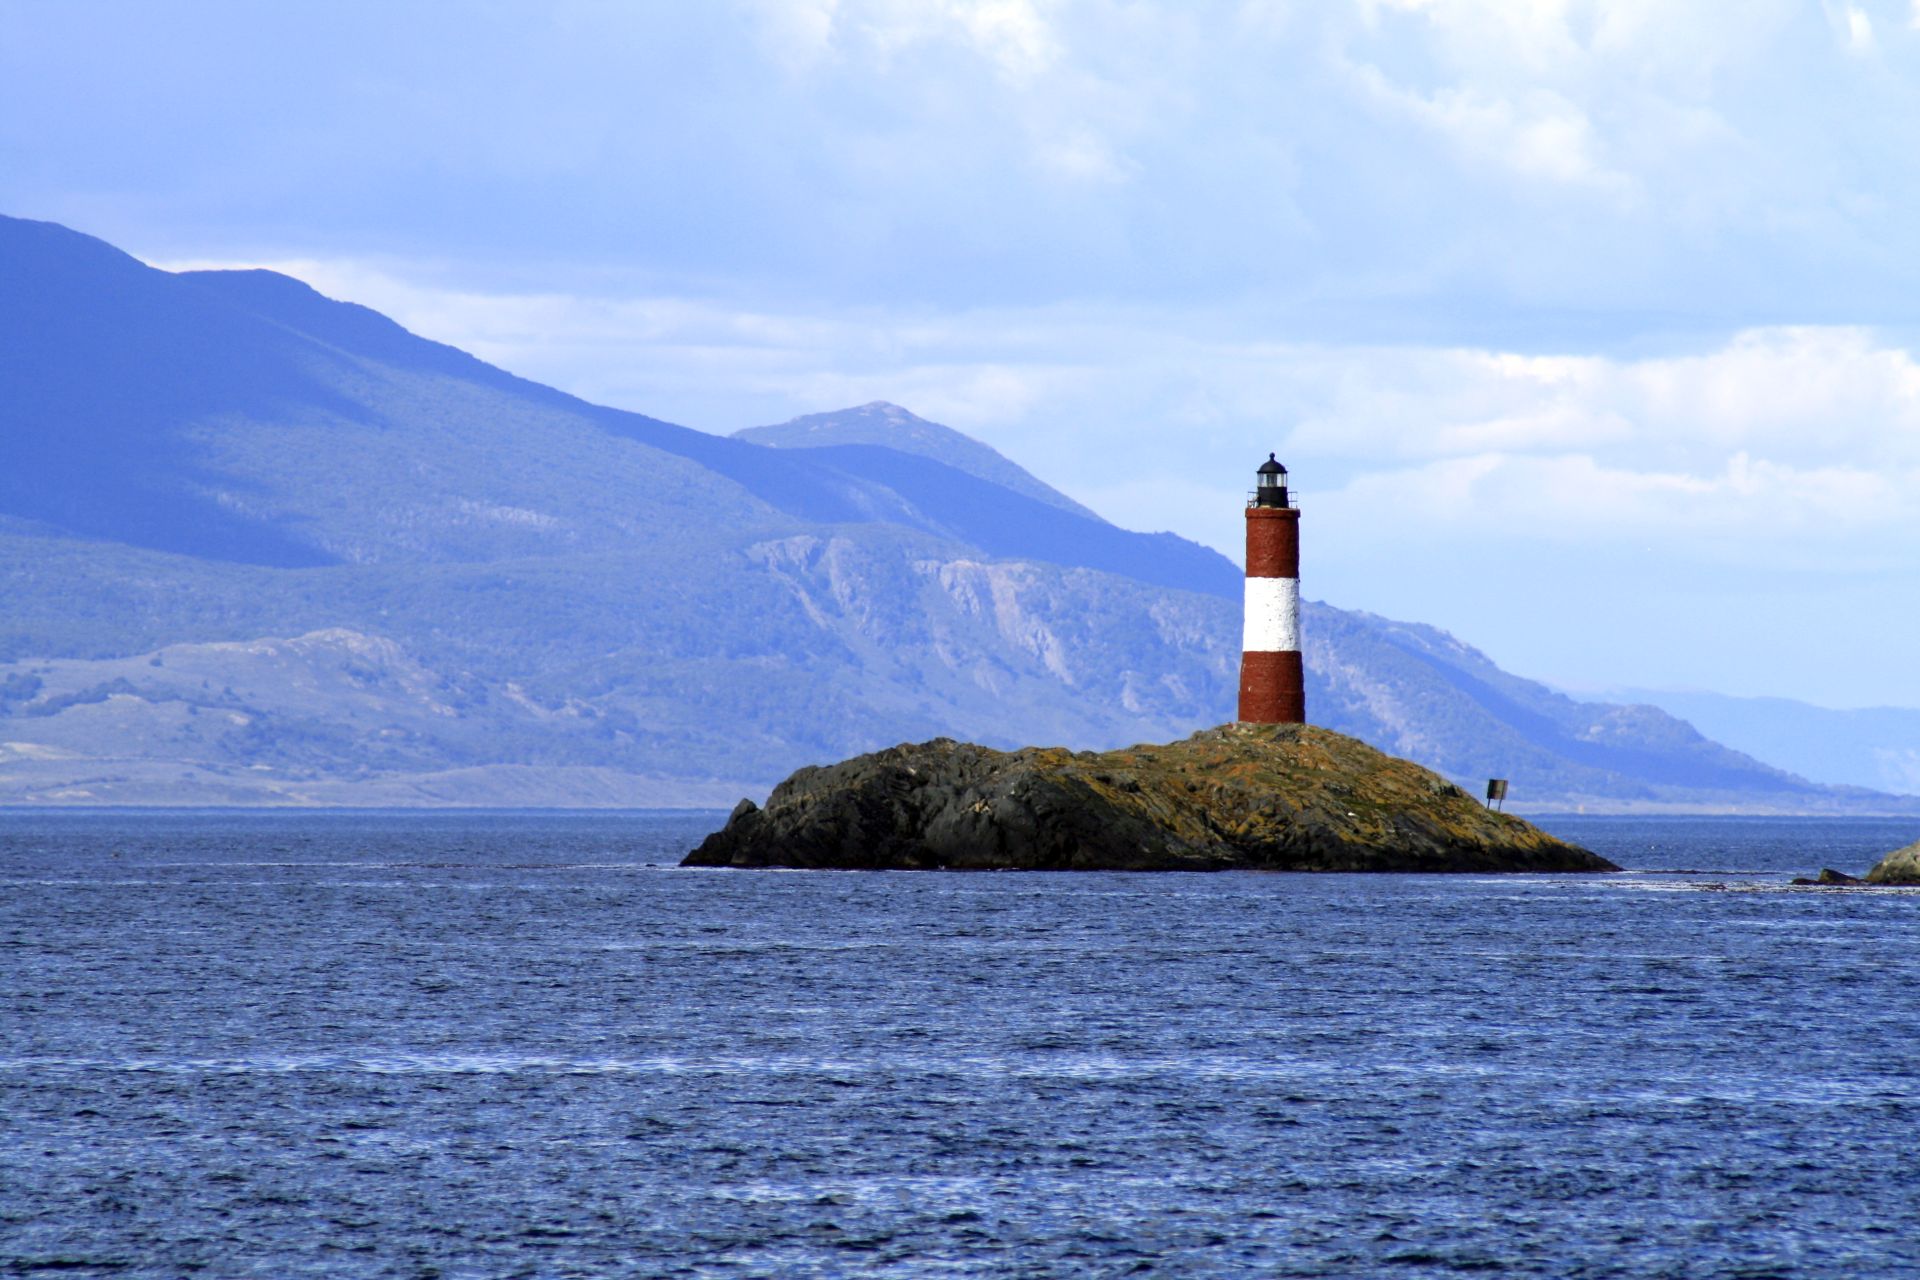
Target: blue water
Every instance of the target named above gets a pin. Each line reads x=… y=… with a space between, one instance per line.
x=495 y=1045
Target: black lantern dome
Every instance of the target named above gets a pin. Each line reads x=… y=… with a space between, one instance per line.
x=1272 y=490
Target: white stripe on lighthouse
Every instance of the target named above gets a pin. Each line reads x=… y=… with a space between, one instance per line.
x=1273 y=616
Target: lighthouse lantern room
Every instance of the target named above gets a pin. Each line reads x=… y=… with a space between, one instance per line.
x=1271 y=490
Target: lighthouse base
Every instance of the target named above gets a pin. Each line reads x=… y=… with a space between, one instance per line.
x=1273 y=688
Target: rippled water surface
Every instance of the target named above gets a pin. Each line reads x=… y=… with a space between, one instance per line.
x=498 y=1045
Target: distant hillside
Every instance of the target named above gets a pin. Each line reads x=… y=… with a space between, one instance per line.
x=240 y=416
x=1419 y=692
x=230 y=458
x=259 y=546
x=891 y=427
x=1871 y=747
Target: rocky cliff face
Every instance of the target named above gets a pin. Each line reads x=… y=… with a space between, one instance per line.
x=1278 y=798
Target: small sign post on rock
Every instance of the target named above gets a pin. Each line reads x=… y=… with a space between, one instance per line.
x=1496 y=792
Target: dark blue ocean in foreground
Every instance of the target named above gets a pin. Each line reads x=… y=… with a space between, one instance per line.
x=516 y=1045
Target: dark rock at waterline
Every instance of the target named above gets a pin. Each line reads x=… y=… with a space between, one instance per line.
x=1902 y=866
x=1253 y=797
x=1828 y=876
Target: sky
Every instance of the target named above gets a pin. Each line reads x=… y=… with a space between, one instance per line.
x=1590 y=331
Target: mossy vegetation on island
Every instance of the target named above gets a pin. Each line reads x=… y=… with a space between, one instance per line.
x=1248 y=797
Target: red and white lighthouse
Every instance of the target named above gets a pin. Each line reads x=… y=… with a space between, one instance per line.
x=1272 y=682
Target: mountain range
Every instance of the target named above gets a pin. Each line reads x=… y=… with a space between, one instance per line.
x=258 y=546
x=1868 y=746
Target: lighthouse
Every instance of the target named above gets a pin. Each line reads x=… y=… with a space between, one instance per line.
x=1272 y=682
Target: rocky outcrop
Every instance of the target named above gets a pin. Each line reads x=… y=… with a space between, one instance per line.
x=1268 y=797
x=1828 y=878
x=1902 y=866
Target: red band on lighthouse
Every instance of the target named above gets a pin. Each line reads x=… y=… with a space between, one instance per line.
x=1272 y=680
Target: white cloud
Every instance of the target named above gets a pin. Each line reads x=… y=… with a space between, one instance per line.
x=1804 y=395
x=1534 y=35
x=798 y=34
x=1011 y=36
x=1011 y=32
x=1752 y=509
x=1084 y=155
x=1541 y=135
x=1858 y=30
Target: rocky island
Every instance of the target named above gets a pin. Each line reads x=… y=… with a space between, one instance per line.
x=1902 y=866
x=1238 y=797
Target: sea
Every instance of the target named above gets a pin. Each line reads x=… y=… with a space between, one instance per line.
x=485 y=1045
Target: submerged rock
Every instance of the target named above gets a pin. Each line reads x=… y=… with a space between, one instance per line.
x=1257 y=797
x=1902 y=866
